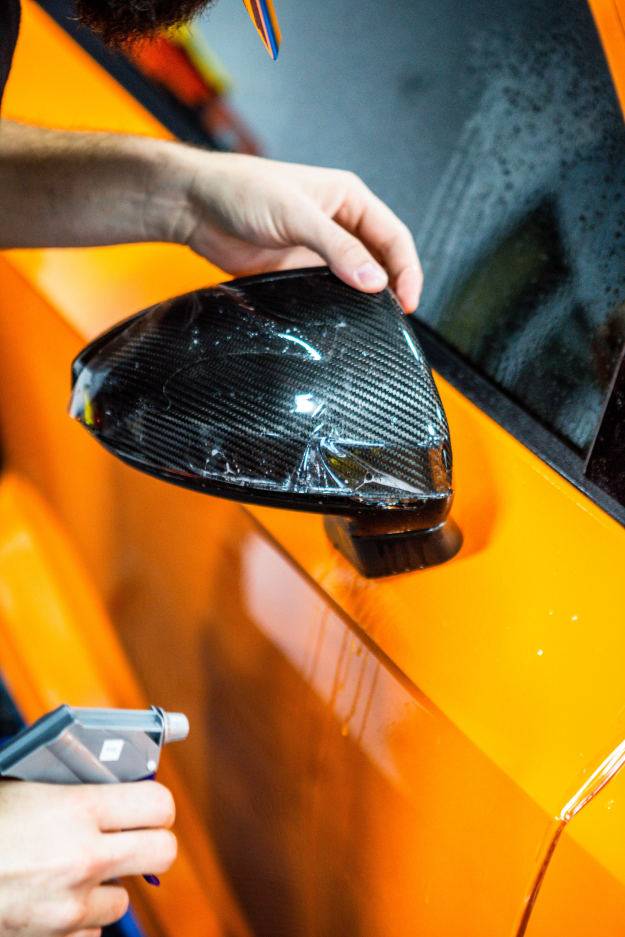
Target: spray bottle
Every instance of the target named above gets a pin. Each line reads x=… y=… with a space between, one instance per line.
x=92 y=746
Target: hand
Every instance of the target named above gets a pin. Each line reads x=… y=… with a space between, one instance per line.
x=243 y=213
x=59 y=843
x=248 y=215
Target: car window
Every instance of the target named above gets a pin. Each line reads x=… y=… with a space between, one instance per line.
x=493 y=129
x=523 y=241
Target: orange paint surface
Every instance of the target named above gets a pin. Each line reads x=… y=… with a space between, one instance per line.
x=516 y=647
x=610 y=20
x=42 y=90
x=98 y=286
x=57 y=646
x=519 y=639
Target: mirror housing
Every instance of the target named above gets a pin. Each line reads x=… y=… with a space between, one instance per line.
x=290 y=390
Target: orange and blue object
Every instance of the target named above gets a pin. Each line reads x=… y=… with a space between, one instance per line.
x=264 y=17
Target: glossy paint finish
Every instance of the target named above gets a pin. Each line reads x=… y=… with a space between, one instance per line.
x=610 y=19
x=415 y=803
x=56 y=644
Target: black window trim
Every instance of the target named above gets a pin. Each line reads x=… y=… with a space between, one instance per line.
x=493 y=401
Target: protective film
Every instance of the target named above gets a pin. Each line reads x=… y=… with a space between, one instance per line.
x=288 y=388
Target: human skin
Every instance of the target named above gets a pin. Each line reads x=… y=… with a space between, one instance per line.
x=243 y=213
x=61 y=844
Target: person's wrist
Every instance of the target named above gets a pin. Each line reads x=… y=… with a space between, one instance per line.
x=168 y=211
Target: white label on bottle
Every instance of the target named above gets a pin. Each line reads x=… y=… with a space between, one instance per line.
x=111 y=750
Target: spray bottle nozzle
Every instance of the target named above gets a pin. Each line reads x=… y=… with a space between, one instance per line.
x=175 y=726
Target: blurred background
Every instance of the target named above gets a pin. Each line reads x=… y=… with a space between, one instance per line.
x=358 y=85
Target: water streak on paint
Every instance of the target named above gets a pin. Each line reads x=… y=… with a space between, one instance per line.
x=355 y=648
x=607 y=770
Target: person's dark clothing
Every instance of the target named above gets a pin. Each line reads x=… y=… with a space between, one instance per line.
x=9 y=28
x=10 y=719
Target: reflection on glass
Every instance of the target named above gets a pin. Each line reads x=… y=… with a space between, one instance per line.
x=523 y=243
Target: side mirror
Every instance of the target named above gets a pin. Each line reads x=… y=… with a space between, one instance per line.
x=287 y=389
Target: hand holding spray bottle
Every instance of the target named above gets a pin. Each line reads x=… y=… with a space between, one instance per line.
x=92 y=746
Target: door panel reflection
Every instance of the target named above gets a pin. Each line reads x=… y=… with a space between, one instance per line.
x=339 y=798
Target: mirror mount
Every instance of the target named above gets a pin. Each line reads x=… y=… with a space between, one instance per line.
x=375 y=550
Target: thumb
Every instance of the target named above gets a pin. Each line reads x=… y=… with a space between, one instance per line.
x=346 y=256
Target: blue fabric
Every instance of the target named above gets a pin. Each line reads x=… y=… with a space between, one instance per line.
x=128 y=926
x=10 y=720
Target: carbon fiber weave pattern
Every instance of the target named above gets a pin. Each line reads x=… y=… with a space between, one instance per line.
x=290 y=384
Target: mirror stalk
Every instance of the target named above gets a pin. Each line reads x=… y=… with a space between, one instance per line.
x=376 y=554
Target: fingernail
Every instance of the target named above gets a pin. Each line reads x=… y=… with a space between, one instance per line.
x=371 y=275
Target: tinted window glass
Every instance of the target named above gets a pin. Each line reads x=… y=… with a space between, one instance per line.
x=523 y=243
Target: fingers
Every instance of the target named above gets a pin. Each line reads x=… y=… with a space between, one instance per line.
x=104 y=905
x=131 y=838
x=388 y=239
x=350 y=260
x=345 y=254
x=79 y=915
x=408 y=286
x=250 y=214
x=139 y=852
x=363 y=241
x=140 y=805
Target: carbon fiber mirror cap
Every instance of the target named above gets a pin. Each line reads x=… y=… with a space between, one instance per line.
x=288 y=389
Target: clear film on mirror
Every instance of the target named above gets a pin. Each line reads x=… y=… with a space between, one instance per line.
x=290 y=389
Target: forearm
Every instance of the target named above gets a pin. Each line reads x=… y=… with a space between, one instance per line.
x=243 y=213
x=66 y=189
